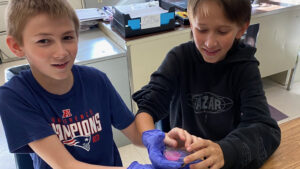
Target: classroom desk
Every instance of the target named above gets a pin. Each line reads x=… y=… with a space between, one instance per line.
x=287 y=155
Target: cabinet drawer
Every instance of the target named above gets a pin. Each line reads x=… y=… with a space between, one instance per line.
x=2 y=12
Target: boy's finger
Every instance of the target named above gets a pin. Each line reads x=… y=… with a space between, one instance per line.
x=181 y=134
x=189 y=139
x=198 y=155
x=170 y=141
x=199 y=144
x=177 y=133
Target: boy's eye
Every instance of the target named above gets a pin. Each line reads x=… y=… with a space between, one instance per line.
x=68 y=37
x=43 y=41
x=223 y=32
x=202 y=30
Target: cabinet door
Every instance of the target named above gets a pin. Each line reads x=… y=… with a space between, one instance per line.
x=278 y=41
x=117 y=71
x=3 y=5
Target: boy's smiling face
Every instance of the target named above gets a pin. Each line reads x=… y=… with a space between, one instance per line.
x=50 y=46
x=213 y=33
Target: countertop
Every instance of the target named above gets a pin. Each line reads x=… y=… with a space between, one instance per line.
x=95 y=45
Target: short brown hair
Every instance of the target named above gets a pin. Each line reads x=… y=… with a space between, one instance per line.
x=238 y=11
x=18 y=13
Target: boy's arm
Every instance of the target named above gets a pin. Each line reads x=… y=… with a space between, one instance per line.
x=133 y=134
x=134 y=131
x=52 y=151
x=144 y=122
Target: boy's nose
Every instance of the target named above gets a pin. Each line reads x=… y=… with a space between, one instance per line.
x=60 y=51
x=211 y=41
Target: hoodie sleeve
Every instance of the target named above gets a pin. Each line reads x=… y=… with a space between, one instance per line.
x=258 y=135
x=155 y=97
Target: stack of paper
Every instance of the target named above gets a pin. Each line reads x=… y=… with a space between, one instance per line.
x=89 y=14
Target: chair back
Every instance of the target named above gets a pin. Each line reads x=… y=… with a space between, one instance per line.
x=13 y=71
x=23 y=161
x=251 y=35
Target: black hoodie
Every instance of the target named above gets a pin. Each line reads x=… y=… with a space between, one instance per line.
x=222 y=101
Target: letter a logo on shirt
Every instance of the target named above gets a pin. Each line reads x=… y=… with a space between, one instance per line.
x=66 y=113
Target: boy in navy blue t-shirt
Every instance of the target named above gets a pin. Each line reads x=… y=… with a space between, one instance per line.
x=59 y=112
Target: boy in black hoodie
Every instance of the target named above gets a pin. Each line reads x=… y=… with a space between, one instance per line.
x=212 y=89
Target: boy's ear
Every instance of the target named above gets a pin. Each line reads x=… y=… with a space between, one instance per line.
x=242 y=30
x=14 y=46
x=191 y=22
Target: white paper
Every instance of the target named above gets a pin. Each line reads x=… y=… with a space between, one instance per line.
x=150 y=21
x=141 y=9
x=90 y=14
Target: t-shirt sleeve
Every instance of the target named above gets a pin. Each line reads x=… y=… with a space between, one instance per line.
x=23 y=122
x=121 y=116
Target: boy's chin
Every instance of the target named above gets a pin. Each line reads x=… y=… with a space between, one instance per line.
x=62 y=76
x=211 y=60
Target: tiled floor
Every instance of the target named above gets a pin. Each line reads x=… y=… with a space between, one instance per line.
x=287 y=102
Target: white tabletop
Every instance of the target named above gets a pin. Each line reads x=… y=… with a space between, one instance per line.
x=95 y=45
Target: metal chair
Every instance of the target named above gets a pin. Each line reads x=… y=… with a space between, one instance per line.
x=293 y=72
x=251 y=35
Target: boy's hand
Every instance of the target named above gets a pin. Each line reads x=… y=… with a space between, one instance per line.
x=209 y=152
x=154 y=141
x=136 y=165
x=179 y=138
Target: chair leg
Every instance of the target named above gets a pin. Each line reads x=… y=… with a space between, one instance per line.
x=292 y=74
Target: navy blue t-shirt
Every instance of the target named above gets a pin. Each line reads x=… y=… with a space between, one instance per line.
x=82 y=118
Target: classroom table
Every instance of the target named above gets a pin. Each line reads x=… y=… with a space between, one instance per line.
x=287 y=155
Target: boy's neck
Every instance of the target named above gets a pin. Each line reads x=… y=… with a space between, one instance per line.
x=58 y=87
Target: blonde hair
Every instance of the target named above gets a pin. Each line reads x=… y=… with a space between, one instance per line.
x=238 y=11
x=18 y=13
